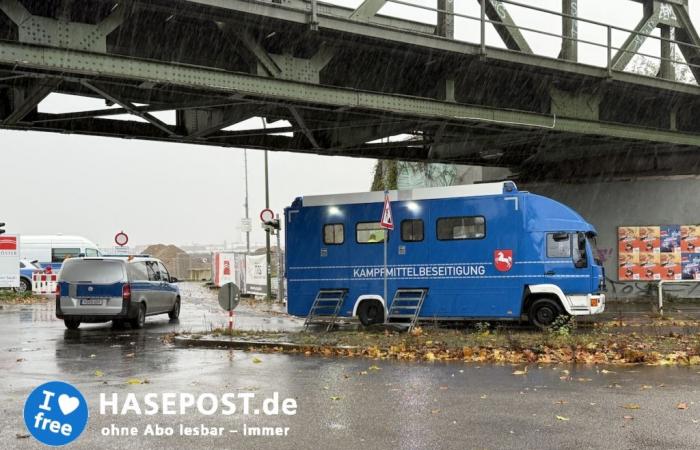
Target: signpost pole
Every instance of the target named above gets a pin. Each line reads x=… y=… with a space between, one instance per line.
x=387 y=224
x=386 y=238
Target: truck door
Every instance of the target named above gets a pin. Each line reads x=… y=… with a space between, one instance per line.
x=566 y=264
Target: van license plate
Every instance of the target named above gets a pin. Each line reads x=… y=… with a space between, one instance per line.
x=91 y=301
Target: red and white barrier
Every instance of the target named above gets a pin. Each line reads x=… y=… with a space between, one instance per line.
x=44 y=283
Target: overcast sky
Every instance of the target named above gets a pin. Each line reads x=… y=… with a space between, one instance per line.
x=183 y=194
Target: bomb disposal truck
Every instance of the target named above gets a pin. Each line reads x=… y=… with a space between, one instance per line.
x=473 y=252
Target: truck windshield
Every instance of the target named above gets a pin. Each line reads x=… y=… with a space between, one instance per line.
x=92 y=271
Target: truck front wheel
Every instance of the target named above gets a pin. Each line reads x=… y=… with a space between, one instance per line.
x=543 y=312
x=370 y=312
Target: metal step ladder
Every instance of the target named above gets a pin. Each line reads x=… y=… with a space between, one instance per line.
x=326 y=307
x=406 y=306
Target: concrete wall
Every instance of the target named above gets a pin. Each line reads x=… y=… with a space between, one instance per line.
x=636 y=202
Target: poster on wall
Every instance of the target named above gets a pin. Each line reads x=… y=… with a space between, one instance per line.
x=670 y=238
x=628 y=266
x=657 y=252
x=627 y=238
x=691 y=266
x=689 y=238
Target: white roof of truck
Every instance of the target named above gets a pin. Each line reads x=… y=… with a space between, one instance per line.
x=467 y=190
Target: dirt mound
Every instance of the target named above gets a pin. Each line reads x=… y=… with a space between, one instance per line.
x=172 y=256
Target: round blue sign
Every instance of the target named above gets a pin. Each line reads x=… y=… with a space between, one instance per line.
x=55 y=413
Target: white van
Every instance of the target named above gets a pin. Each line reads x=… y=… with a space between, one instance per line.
x=52 y=250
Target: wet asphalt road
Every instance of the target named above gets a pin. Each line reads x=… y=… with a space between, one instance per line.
x=342 y=403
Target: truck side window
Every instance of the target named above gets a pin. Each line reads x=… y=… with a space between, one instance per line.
x=333 y=234
x=369 y=233
x=580 y=257
x=412 y=230
x=91 y=252
x=58 y=255
x=458 y=228
x=558 y=245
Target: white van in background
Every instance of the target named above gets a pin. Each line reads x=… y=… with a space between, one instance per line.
x=52 y=250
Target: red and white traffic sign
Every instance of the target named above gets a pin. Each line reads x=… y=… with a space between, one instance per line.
x=266 y=215
x=121 y=239
x=387 y=219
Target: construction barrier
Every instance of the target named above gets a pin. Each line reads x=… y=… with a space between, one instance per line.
x=44 y=283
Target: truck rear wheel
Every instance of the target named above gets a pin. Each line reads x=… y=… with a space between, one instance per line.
x=543 y=312
x=370 y=312
x=140 y=320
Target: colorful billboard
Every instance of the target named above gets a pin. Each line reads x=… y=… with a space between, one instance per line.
x=651 y=252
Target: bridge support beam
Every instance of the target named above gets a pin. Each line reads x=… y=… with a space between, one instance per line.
x=569 y=43
x=25 y=100
x=496 y=12
x=148 y=117
x=687 y=33
x=367 y=9
x=61 y=32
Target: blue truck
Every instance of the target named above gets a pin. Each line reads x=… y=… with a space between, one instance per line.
x=474 y=252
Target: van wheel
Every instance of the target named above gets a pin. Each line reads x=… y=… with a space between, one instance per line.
x=543 y=312
x=71 y=324
x=175 y=313
x=24 y=286
x=370 y=312
x=140 y=319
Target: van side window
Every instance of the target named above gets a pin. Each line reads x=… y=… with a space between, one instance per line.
x=164 y=272
x=369 y=233
x=153 y=272
x=558 y=245
x=412 y=230
x=457 y=228
x=91 y=252
x=58 y=255
x=137 y=271
x=333 y=234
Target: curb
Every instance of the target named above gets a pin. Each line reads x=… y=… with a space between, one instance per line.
x=240 y=344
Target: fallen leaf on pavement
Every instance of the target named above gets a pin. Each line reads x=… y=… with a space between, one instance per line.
x=136 y=381
x=257 y=360
x=562 y=418
x=631 y=406
x=628 y=417
x=373 y=367
x=99 y=373
x=21 y=435
x=335 y=398
x=606 y=371
x=520 y=372
x=682 y=405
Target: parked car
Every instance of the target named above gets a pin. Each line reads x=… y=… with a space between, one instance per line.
x=26 y=270
x=52 y=250
x=118 y=289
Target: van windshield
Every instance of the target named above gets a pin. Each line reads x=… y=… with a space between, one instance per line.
x=92 y=271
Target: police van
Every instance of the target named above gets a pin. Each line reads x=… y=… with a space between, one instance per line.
x=473 y=252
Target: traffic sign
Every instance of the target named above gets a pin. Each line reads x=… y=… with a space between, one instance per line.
x=387 y=219
x=266 y=215
x=121 y=239
x=229 y=296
